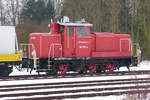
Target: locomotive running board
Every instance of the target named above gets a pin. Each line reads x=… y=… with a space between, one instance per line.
x=91 y=58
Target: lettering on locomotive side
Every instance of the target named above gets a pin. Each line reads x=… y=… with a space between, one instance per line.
x=82 y=42
x=83 y=47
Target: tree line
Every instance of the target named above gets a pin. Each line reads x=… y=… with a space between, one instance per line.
x=127 y=16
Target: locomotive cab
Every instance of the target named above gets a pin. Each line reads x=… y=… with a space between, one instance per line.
x=76 y=39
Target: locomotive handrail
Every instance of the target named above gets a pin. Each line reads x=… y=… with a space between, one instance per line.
x=52 y=47
x=27 y=55
x=49 y=54
x=137 y=47
x=137 y=51
x=22 y=45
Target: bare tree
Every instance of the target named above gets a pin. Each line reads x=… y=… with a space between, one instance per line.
x=1 y=11
x=13 y=11
x=10 y=11
x=2 y=16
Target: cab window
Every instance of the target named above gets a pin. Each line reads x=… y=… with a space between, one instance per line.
x=82 y=31
x=70 y=31
x=62 y=29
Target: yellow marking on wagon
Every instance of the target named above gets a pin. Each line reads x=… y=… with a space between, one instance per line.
x=10 y=57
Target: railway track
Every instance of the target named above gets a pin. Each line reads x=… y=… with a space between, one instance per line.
x=43 y=87
x=77 y=89
x=74 y=75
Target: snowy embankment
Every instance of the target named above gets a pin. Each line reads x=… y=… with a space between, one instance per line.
x=145 y=65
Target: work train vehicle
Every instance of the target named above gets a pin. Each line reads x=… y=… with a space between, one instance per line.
x=74 y=47
x=68 y=47
x=9 y=53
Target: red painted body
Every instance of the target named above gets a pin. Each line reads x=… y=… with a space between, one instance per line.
x=71 y=42
x=46 y=45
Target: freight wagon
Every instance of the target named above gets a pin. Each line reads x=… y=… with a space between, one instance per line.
x=9 y=54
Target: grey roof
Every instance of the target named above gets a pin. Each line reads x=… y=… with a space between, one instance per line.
x=76 y=24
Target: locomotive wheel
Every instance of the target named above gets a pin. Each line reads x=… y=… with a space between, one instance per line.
x=109 y=68
x=91 y=69
x=62 y=69
x=79 y=70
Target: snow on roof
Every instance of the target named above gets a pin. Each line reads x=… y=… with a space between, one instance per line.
x=76 y=24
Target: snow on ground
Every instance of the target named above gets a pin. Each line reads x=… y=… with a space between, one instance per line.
x=122 y=97
x=23 y=72
x=145 y=65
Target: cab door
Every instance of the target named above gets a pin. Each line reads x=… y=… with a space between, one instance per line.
x=69 y=42
x=83 y=42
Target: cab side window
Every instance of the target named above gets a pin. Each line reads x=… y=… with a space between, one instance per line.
x=70 y=31
x=62 y=29
x=82 y=31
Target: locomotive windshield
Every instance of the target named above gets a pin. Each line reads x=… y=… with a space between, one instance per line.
x=82 y=31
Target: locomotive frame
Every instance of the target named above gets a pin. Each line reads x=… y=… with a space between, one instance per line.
x=90 y=65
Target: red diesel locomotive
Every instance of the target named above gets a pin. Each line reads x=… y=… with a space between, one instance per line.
x=73 y=47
